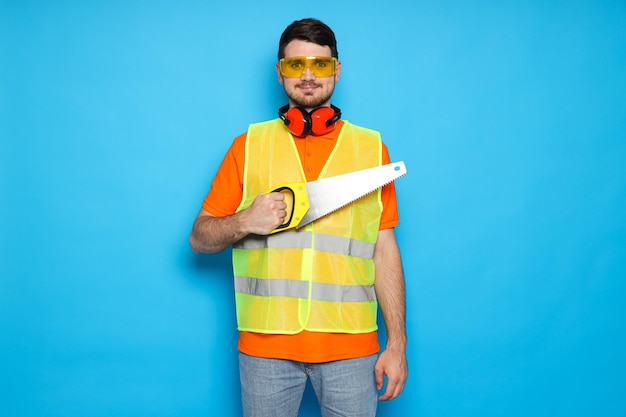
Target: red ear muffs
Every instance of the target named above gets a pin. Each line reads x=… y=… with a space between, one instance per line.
x=297 y=120
x=322 y=121
x=300 y=122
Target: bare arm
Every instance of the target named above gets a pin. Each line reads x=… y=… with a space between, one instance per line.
x=212 y=234
x=390 y=291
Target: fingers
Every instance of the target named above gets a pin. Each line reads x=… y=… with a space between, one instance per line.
x=380 y=378
x=276 y=196
x=278 y=206
x=394 y=369
x=267 y=212
x=393 y=391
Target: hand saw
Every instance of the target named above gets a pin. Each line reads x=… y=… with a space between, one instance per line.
x=308 y=201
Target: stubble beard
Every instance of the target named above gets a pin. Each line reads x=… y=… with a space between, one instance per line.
x=309 y=101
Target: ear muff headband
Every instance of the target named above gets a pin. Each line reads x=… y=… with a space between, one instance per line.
x=319 y=121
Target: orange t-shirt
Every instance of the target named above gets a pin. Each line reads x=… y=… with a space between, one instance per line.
x=224 y=198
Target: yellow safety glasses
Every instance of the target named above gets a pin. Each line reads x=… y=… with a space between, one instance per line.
x=320 y=66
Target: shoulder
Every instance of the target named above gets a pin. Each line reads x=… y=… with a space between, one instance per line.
x=361 y=131
x=372 y=133
x=237 y=148
x=272 y=123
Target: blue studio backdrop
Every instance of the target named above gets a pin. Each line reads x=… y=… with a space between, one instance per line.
x=510 y=117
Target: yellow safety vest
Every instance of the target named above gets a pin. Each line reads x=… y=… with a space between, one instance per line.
x=321 y=277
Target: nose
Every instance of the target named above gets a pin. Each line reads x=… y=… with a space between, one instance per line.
x=308 y=74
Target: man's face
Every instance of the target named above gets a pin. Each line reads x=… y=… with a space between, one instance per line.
x=308 y=91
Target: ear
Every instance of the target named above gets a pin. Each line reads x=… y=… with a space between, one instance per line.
x=280 y=75
x=337 y=71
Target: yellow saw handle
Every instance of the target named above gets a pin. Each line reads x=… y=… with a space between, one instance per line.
x=297 y=204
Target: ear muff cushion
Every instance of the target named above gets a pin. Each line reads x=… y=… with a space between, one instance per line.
x=299 y=121
x=319 y=119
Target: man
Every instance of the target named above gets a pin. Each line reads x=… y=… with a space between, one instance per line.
x=287 y=335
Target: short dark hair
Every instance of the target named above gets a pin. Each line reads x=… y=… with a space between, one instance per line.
x=310 y=30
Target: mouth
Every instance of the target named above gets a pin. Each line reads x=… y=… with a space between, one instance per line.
x=308 y=87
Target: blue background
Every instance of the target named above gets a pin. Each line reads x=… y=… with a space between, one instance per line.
x=510 y=116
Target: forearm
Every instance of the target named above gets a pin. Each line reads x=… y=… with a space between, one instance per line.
x=214 y=234
x=389 y=284
x=390 y=288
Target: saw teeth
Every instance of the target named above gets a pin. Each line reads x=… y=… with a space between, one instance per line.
x=300 y=226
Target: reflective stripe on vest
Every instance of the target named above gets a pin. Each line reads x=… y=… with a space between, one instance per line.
x=303 y=239
x=300 y=289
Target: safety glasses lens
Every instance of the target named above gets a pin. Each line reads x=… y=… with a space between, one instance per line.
x=295 y=67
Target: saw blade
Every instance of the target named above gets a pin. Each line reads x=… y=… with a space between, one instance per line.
x=330 y=194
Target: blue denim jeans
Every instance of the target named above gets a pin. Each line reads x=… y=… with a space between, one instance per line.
x=274 y=387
